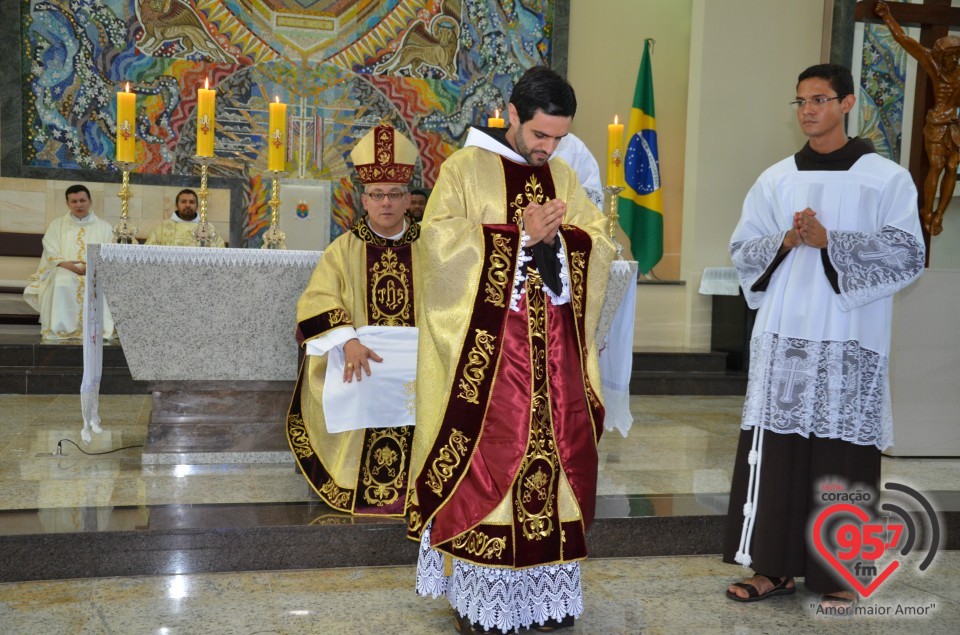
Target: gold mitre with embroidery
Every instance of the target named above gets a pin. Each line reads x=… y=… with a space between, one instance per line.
x=384 y=156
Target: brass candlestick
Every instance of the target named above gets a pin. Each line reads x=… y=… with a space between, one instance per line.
x=124 y=232
x=273 y=238
x=613 y=218
x=205 y=235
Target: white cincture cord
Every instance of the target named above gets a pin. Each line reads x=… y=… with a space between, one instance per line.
x=753 y=491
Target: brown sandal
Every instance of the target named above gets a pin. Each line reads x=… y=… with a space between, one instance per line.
x=779 y=588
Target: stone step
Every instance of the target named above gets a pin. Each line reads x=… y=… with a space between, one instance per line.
x=680 y=361
x=20 y=350
x=206 y=538
x=65 y=380
x=688 y=383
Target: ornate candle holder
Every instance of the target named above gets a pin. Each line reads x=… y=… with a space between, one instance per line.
x=124 y=232
x=613 y=191
x=205 y=235
x=273 y=238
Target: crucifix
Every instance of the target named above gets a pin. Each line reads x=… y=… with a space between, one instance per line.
x=935 y=140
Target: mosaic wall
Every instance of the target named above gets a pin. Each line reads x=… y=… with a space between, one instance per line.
x=429 y=67
x=882 y=77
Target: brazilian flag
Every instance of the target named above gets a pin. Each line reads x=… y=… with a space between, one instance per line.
x=641 y=202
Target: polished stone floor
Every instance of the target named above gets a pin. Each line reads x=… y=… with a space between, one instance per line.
x=628 y=596
x=678 y=445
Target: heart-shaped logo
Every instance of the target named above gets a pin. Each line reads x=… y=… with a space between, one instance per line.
x=859 y=543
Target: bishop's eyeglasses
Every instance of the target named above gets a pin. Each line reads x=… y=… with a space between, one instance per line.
x=816 y=102
x=378 y=196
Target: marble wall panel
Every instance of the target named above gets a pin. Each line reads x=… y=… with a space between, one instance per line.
x=659 y=318
x=22 y=212
x=14 y=268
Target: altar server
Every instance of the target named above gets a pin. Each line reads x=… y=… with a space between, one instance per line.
x=826 y=238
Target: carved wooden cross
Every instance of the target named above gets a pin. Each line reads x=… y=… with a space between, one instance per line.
x=934 y=17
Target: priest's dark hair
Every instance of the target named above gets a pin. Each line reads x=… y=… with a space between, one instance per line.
x=185 y=191
x=543 y=89
x=74 y=189
x=841 y=81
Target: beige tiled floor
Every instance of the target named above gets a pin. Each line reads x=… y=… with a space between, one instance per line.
x=625 y=596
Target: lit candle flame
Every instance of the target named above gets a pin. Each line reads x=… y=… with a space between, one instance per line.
x=496 y=113
x=616 y=119
x=126 y=88
x=276 y=99
x=206 y=83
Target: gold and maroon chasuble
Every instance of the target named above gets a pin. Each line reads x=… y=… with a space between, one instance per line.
x=362 y=279
x=508 y=479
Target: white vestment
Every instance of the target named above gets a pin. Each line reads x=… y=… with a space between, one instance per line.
x=819 y=359
x=57 y=293
x=575 y=152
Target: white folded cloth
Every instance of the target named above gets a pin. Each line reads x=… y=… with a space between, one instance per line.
x=385 y=399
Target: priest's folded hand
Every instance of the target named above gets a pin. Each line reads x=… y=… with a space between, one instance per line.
x=541 y=222
x=357 y=358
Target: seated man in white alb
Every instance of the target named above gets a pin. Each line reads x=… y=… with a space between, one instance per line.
x=178 y=229
x=56 y=289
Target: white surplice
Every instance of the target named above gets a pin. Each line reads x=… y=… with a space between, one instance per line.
x=819 y=359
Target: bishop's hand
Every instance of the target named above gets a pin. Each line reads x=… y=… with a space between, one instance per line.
x=358 y=359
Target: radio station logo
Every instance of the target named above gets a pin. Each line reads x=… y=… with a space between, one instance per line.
x=866 y=540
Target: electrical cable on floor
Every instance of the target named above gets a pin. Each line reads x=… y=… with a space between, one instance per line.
x=60 y=448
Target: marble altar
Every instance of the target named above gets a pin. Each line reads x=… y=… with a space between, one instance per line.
x=212 y=331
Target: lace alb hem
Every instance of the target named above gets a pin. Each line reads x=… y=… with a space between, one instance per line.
x=519 y=288
x=207 y=255
x=835 y=390
x=752 y=258
x=874 y=266
x=564 y=297
x=506 y=599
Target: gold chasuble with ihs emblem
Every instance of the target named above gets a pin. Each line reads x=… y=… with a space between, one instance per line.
x=508 y=404
x=362 y=279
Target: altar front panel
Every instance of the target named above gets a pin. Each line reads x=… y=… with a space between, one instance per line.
x=186 y=313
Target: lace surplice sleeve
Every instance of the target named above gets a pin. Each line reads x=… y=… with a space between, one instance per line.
x=874 y=266
x=755 y=244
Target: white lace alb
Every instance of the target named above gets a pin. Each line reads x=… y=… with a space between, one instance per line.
x=834 y=390
x=507 y=599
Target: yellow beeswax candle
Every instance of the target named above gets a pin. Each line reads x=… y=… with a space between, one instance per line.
x=495 y=121
x=126 y=125
x=206 y=107
x=615 y=153
x=277 y=143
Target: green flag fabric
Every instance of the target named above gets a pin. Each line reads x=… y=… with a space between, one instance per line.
x=641 y=202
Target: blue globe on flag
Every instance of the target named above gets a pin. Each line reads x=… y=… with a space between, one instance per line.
x=641 y=168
